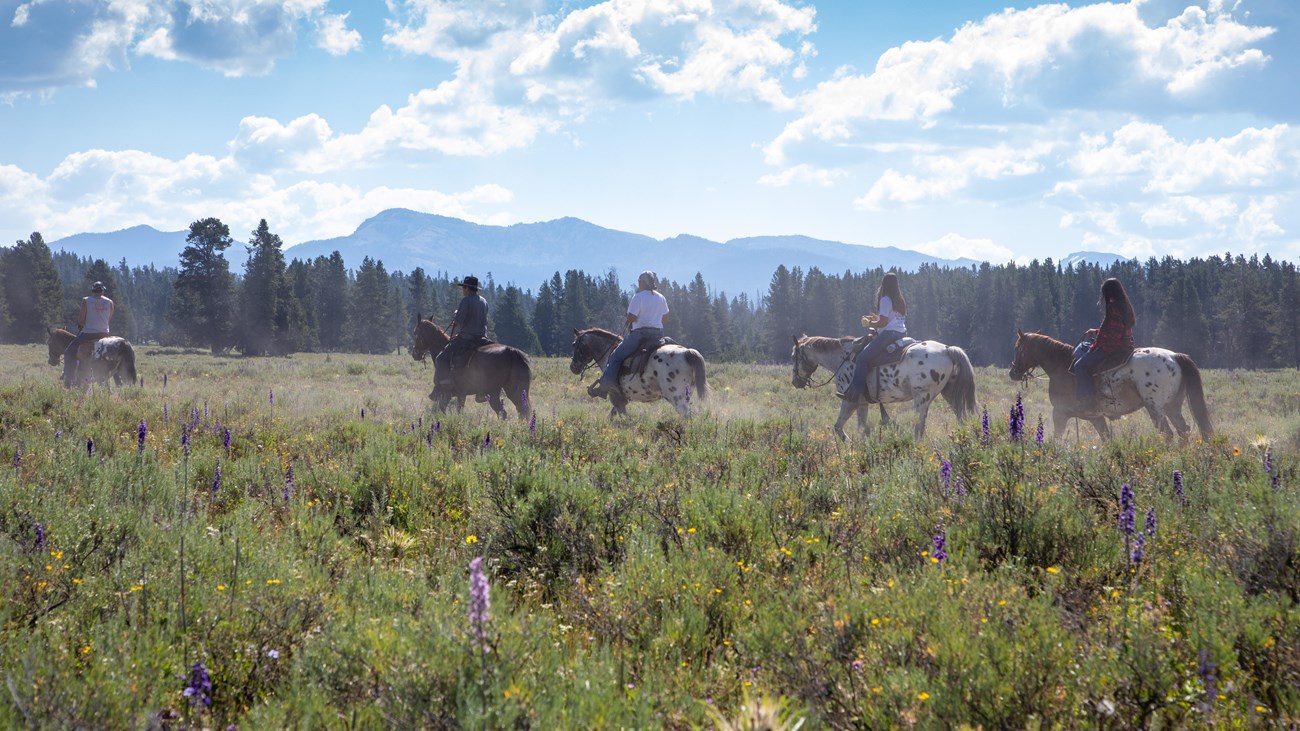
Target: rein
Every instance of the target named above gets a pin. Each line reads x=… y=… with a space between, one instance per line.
x=834 y=371
x=596 y=361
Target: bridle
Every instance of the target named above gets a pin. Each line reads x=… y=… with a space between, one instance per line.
x=589 y=358
x=1026 y=372
x=802 y=360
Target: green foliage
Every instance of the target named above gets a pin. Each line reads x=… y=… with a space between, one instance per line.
x=650 y=573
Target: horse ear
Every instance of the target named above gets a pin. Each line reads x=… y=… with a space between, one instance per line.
x=795 y=338
x=418 y=317
x=1020 y=333
x=575 y=332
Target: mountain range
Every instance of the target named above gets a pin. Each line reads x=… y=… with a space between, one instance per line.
x=527 y=254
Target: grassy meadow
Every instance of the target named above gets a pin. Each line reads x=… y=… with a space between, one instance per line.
x=313 y=571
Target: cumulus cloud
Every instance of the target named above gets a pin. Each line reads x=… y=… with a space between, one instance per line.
x=805 y=174
x=953 y=246
x=46 y=45
x=335 y=37
x=1031 y=64
x=101 y=190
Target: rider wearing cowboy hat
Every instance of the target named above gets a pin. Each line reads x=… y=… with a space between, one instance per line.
x=92 y=322
x=468 y=329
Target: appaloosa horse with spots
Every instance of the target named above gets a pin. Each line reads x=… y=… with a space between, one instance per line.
x=1154 y=378
x=97 y=360
x=673 y=372
x=927 y=369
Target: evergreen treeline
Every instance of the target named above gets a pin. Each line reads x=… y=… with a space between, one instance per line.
x=1224 y=311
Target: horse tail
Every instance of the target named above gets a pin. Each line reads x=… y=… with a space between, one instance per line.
x=128 y=362
x=960 y=391
x=520 y=381
x=696 y=362
x=1195 y=391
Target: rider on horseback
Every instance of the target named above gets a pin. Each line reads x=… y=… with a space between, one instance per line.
x=468 y=330
x=645 y=318
x=890 y=323
x=92 y=322
x=1115 y=334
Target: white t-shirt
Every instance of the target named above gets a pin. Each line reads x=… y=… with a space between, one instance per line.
x=649 y=307
x=897 y=320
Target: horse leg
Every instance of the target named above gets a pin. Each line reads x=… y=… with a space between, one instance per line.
x=1103 y=429
x=1060 y=420
x=846 y=409
x=863 y=425
x=922 y=404
x=494 y=400
x=884 y=415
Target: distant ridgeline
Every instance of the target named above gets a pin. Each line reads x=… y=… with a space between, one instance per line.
x=1224 y=311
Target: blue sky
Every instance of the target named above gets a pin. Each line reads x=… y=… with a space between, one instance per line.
x=990 y=130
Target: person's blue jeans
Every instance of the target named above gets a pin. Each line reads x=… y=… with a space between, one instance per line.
x=630 y=344
x=70 y=356
x=874 y=350
x=1083 y=374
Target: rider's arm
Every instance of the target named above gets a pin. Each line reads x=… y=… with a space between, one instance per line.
x=81 y=316
x=631 y=320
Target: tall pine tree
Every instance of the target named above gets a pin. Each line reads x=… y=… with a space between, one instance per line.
x=33 y=293
x=202 y=309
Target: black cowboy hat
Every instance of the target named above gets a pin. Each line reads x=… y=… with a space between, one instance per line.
x=470 y=281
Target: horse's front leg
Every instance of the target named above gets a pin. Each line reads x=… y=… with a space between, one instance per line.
x=1060 y=420
x=494 y=401
x=1103 y=429
x=884 y=415
x=863 y=412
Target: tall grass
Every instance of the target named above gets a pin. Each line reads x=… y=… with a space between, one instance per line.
x=648 y=573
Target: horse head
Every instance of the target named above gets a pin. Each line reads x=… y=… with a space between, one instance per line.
x=583 y=352
x=429 y=338
x=803 y=367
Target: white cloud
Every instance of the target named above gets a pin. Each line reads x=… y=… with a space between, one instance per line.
x=100 y=191
x=1030 y=62
x=942 y=176
x=954 y=246
x=803 y=174
x=335 y=37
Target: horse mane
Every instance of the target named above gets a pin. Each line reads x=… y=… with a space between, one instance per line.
x=598 y=331
x=822 y=344
x=426 y=323
x=1049 y=347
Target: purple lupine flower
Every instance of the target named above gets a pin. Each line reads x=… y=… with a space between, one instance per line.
x=39 y=530
x=58 y=433
x=225 y=441
x=288 y=483
x=198 y=687
x=205 y=408
x=984 y=427
x=164 y=379
x=363 y=412
x=140 y=433
x=273 y=654
x=437 y=426
x=1139 y=549
x=90 y=447
x=1209 y=674
x=945 y=475
x=420 y=421
x=18 y=456
x=532 y=423
x=1178 y=487
x=487 y=440
x=1016 y=421
x=940 y=540
x=166 y=415
x=216 y=480
x=1277 y=481
x=523 y=399
x=1038 y=434
x=1127 y=510
x=960 y=486
x=185 y=440
x=479 y=613
x=1150 y=524
x=428 y=437
x=270 y=396
x=1268 y=461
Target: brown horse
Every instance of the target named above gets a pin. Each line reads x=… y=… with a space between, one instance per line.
x=1154 y=378
x=108 y=356
x=490 y=369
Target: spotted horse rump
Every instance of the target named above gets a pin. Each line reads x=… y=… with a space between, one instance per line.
x=671 y=372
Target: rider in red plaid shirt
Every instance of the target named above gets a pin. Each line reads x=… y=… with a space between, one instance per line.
x=1115 y=333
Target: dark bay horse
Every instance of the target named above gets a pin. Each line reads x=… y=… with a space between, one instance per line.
x=491 y=369
x=928 y=369
x=1154 y=378
x=108 y=356
x=675 y=373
